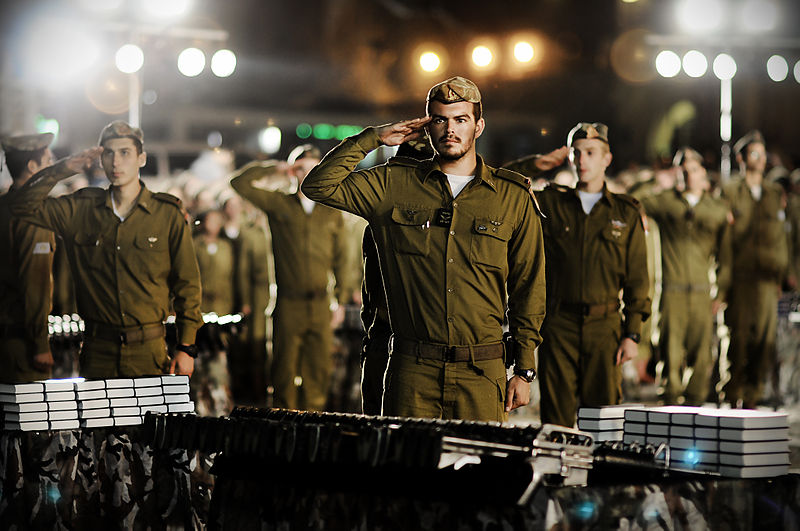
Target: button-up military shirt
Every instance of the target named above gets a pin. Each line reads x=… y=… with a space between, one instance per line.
x=449 y=264
x=124 y=271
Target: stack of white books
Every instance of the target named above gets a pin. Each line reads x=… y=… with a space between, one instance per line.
x=604 y=423
x=77 y=403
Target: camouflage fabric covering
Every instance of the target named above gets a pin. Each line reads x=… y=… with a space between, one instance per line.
x=94 y=479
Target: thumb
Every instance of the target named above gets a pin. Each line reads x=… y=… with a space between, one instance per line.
x=509 y=398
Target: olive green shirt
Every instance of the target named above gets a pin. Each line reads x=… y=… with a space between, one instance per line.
x=124 y=271
x=216 y=264
x=691 y=239
x=759 y=236
x=26 y=283
x=307 y=248
x=445 y=284
x=592 y=257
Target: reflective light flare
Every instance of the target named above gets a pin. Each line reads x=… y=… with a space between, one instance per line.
x=668 y=64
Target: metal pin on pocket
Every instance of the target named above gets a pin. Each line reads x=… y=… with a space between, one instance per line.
x=426 y=225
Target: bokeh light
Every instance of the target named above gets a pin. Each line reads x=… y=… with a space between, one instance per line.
x=668 y=63
x=166 y=9
x=129 y=58
x=269 y=140
x=223 y=63
x=191 y=62
x=695 y=63
x=523 y=52
x=429 y=61
x=759 y=15
x=699 y=16
x=777 y=68
x=724 y=66
x=482 y=56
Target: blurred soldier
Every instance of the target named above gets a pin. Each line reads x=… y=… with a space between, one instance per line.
x=595 y=248
x=308 y=243
x=760 y=262
x=694 y=238
x=25 y=271
x=453 y=238
x=131 y=253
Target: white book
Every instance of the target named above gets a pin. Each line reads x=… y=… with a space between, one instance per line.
x=95 y=413
x=629 y=438
x=125 y=411
x=69 y=414
x=636 y=414
x=658 y=429
x=25 y=417
x=38 y=425
x=147 y=381
x=119 y=392
x=600 y=424
x=657 y=440
x=704 y=445
x=676 y=430
x=753 y=471
x=150 y=400
x=753 y=447
x=749 y=418
x=94 y=394
x=613 y=435
x=604 y=412
x=148 y=391
x=692 y=456
x=127 y=421
x=53 y=386
x=24 y=408
x=59 y=396
x=767 y=434
x=635 y=427
x=176 y=399
x=754 y=459
x=123 y=402
x=181 y=408
x=97 y=423
x=701 y=432
x=21 y=388
x=63 y=405
x=683 y=415
x=65 y=424
x=117 y=383
x=173 y=379
x=94 y=404
x=90 y=385
x=176 y=389
x=154 y=409
x=21 y=398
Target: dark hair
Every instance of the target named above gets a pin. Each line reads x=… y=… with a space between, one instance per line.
x=477 y=109
x=17 y=161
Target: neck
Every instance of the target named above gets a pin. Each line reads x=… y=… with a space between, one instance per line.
x=753 y=178
x=125 y=196
x=592 y=187
x=465 y=165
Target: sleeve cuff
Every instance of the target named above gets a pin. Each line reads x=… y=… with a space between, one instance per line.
x=633 y=324
x=186 y=335
x=526 y=358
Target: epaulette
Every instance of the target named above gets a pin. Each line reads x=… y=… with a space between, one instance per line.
x=172 y=200
x=90 y=192
x=404 y=161
x=520 y=180
x=632 y=201
x=558 y=187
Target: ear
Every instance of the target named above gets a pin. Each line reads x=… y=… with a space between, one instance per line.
x=32 y=166
x=142 y=159
x=479 y=125
x=607 y=158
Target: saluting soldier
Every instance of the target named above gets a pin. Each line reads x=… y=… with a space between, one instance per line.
x=130 y=251
x=26 y=283
x=595 y=248
x=308 y=245
x=760 y=263
x=695 y=238
x=454 y=237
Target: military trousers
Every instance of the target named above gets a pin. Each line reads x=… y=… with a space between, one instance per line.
x=428 y=388
x=100 y=358
x=577 y=365
x=686 y=334
x=373 y=367
x=302 y=360
x=16 y=361
x=752 y=317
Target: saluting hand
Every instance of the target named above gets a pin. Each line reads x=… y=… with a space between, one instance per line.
x=551 y=160
x=399 y=132
x=84 y=159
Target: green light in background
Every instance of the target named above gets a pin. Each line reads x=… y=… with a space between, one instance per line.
x=343 y=131
x=303 y=130
x=47 y=125
x=324 y=131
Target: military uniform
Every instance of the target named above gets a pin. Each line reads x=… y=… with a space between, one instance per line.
x=216 y=263
x=760 y=262
x=124 y=271
x=307 y=248
x=447 y=265
x=692 y=237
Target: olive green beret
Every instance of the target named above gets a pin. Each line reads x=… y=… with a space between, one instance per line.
x=587 y=130
x=454 y=90
x=753 y=137
x=685 y=153
x=27 y=142
x=120 y=129
x=305 y=151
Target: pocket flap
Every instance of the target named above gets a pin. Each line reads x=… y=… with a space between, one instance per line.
x=492 y=227
x=411 y=215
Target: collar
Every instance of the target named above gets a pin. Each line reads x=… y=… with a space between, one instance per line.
x=606 y=194
x=483 y=174
x=144 y=199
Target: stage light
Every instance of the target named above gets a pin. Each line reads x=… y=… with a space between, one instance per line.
x=65 y=55
x=269 y=140
x=724 y=66
x=214 y=139
x=668 y=64
x=191 y=62
x=129 y=58
x=165 y=9
x=429 y=61
x=797 y=71
x=303 y=130
x=695 y=63
x=482 y=56
x=777 y=68
x=759 y=15
x=223 y=63
x=699 y=16
x=523 y=52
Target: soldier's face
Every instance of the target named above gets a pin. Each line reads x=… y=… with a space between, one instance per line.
x=453 y=128
x=121 y=161
x=590 y=157
x=302 y=167
x=755 y=157
x=694 y=174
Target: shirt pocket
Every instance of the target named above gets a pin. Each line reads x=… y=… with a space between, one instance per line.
x=150 y=256
x=410 y=229
x=90 y=250
x=490 y=242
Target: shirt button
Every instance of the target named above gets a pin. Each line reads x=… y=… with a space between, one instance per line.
x=449 y=260
x=452 y=233
x=455 y=204
x=449 y=319
x=449 y=290
x=118 y=247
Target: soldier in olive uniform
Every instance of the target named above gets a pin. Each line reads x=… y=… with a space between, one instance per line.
x=694 y=238
x=760 y=262
x=25 y=271
x=130 y=252
x=454 y=237
x=595 y=248
x=308 y=243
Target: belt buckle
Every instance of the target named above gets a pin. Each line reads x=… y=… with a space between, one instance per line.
x=123 y=338
x=449 y=354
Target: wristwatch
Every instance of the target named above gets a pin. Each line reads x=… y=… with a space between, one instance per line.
x=633 y=337
x=528 y=375
x=191 y=350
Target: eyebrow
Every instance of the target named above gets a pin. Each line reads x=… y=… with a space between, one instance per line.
x=465 y=115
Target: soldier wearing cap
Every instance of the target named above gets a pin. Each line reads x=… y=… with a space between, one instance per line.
x=456 y=240
x=308 y=245
x=131 y=254
x=760 y=263
x=25 y=271
x=695 y=238
x=595 y=249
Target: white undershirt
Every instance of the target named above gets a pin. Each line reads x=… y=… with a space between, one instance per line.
x=589 y=200
x=308 y=204
x=114 y=208
x=755 y=191
x=692 y=199
x=458 y=182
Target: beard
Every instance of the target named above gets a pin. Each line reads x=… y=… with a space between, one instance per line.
x=453 y=151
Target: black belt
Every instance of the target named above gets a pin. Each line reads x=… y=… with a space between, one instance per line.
x=447 y=353
x=125 y=335
x=590 y=310
x=304 y=295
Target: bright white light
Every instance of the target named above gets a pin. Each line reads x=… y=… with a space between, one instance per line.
x=269 y=140
x=191 y=62
x=697 y=16
x=65 y=55
x=100 y=5
x=167 y=8
x=695 y=63
x=129 y=58
x=482 y=56
x=777 y=68
x=797 y=71
x=429 y=61
x=724 y=66
x=759 y=15
x=214 y=139
x=523 y=52
x=223 y=63
x=668 y=64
